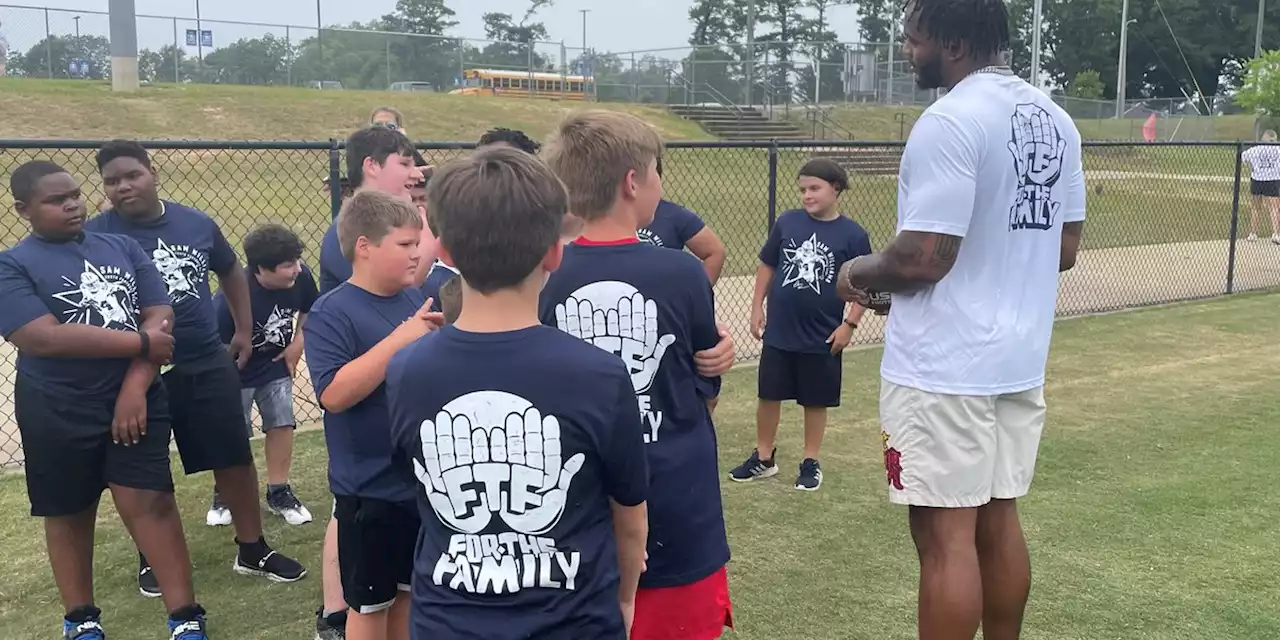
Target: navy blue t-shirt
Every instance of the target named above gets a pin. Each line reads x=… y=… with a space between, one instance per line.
x=185 y=245
x=518 y=439
x=803 y=308
x=334 y=267
x=672 y=226
x=343 y=325
x=102 y=280
x=440 y=274
x=274 y=314
x=653 y=307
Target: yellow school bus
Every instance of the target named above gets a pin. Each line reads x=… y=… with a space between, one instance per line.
x=522 y=84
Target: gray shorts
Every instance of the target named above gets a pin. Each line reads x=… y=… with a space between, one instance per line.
x=275 y=404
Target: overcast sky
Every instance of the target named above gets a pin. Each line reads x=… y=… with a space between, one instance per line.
x=612 y=25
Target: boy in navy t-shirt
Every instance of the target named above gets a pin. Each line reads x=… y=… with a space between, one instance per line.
x=808 y=326
x=281 y=292
x=654 y=308
x=676 y=227
x=526 y=442
x=91 y=321
x=204 y=382
x=351 y=334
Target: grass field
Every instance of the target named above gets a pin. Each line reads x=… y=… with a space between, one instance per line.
x=1151 y=517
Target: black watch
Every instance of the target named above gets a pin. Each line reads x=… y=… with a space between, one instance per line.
x=852 y=324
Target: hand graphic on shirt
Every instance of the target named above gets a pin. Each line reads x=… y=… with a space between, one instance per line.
x=630 y=330
x=465 y=470
x=1037 y=147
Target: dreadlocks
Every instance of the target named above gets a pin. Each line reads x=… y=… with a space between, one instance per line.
x=981 y=25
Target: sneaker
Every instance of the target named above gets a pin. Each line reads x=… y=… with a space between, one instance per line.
x=755 y=468
x=1253 y=237
x=188 y=629
x=87 y=630
x=219 y=515
x=273 y=566
x=1275 y=239
x=810 y=477
x=285 y=504
x=148 y=586
x=333 y=627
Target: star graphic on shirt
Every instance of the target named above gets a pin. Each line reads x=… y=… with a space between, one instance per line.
x=808 y=265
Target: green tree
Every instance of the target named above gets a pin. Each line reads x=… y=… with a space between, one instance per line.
x=514 y=46
x=260 y=61
x=425 y=55
x=1087 y=85
x=1260 y=87
x=58 y=51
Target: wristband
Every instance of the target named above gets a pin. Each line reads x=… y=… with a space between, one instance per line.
x=852 y=324
x=145 y=350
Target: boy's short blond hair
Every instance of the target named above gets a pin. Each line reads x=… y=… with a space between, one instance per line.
x=593 y=151
x=373 y=214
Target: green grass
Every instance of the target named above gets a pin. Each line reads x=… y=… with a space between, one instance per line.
x=1150 y=519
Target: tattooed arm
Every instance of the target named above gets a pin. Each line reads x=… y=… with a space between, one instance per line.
x=914 y=260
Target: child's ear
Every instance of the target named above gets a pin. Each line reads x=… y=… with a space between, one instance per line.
x=555 y=255
x=446 y=258
x=21 y=208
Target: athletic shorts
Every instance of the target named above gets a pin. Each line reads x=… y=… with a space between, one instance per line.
x=70 y=457
x=698 y=611
x=376 y=541
x=958 y=451
x=811 y=379
x=208 y=423
x=1265 y=188
x=275 y=405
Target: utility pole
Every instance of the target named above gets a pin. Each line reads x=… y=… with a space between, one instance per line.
x=586 y=59
x=1121 y=80
x=751 y=51
x=1037 y=23
x=77 y=19
x=1257 y=37
x=584 y=13
x=199 y=37
x=319 y=32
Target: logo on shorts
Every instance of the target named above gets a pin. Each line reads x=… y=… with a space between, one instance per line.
x=1038 y=151
x=104 y=297
x=650 y=237
x=182 y=268
x=809 y=265
x=892 y=463
x=277 y=331
x=617 y=318
x=494 y=471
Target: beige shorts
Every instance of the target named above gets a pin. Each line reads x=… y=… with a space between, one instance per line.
x=958 y=451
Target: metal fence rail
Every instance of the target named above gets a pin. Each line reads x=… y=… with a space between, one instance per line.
x=1167 y=222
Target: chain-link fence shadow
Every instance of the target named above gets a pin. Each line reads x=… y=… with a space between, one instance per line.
x=1166 y=222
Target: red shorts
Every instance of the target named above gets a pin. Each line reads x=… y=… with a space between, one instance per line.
x=698 y=611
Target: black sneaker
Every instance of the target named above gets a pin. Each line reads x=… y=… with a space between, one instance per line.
x=285 y=504
x=810 y=477
x=755 y=468
x=148 y=586
x=332 y=627
x=273 y=566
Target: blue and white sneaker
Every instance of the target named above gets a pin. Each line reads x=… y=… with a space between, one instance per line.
x=810 y=478
x=755 y=468
x=87 y=630
x=192 y=629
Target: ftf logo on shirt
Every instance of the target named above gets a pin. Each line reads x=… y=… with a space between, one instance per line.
x=1038 y=151
x=616 y=317
x=182 y=269
x=808 y=266
x=104 y=297
x=491 y=460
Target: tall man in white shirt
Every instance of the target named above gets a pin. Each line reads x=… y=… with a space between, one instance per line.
x=990 y=209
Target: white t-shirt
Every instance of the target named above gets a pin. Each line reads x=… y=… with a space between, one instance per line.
x=1264 y=162
x=996 y=162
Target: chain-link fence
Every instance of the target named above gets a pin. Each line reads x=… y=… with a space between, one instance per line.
x=1167 y=222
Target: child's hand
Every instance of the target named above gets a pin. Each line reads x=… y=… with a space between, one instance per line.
x=757 y=324
x=840 y=338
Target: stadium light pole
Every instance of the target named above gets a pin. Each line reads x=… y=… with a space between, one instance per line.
x=751 y=51
x=584 y=13
x=1121 y=72
x=77 y=19
x=1257 y=36
x=124 y=45
x=1037 y=23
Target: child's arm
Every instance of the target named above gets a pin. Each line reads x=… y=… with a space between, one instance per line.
x=292 y=354
x=769 y=255
x=234 y=285
x=343 y=379
x=626 y=479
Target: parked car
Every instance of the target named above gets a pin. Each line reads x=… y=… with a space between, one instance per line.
x=331 y=85
x=412 y=86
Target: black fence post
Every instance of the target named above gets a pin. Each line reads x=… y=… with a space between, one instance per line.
x=335 y=178
x=1235 y=222
x=773 y=185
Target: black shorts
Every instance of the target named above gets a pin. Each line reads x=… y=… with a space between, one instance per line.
x=70 y=457
x=376 y=541
x=811 y=379
x=1265 y=188
x=208 y=419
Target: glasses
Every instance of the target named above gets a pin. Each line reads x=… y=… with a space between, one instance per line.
x=387 y=125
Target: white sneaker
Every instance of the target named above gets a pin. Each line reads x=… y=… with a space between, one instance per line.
x=219 y=515
x=1253 y=237
x=287 y=505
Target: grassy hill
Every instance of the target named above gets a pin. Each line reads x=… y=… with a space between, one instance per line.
x=90 y=110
